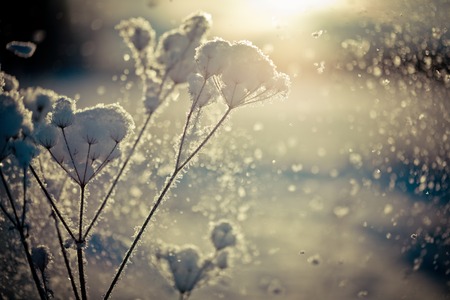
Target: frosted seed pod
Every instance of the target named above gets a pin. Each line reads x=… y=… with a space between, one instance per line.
x=137 y=33
x=211 y=57
x=39 y=101
x=41 y=257
x=222 y=235
x=185 y=268
x=63 y=112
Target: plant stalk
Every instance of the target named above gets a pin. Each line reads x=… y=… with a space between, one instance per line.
x=158 y=202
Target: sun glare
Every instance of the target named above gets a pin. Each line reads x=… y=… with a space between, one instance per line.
x=291 y=7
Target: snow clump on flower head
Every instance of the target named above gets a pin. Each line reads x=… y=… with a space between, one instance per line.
x=15 y=126
x=241 y=72
x=223 y=235
x=90 y=142
x=176 y=48
x=39 y=101
x=137 y=33
x=63 y=112
x=8 y=82
x=212 y=57
x=41 y=257
x=185 y=267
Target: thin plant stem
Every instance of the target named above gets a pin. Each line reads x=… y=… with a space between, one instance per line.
x=158 y=202
x=105 y=162
x=127 y=160
x=11 y=200
x=8 y=215
x=186 y=125
x=116 y=180
x=86 y=164
x=23 y=239
x=52 y=203
x=61 y=165
x=35 y=276
x=45 y=283
x=206 y=139
x=24 y=207
x=81 y=271
x=66 y=258
x=70 y=154
x=80 y=246
x=81 y=213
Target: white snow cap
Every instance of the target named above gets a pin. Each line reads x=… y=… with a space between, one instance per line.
x=63 y=111
x=90 y=142
x=185 y=267
x=242 y=72
x=39 y=101
x=176 y=48
x=15 y=125
x=137 y=33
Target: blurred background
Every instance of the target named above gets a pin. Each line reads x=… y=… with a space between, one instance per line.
x=341 y=191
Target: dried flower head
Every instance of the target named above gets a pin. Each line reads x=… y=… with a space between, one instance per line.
x=176 y=48
x=137 y=33
x=41 y=257
x=185 y=266
x=63 y=112
x=24 y=151
x=241 y=72
x=15 y=122
x=39 y=101
x=90 y=142
x=223 y=235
